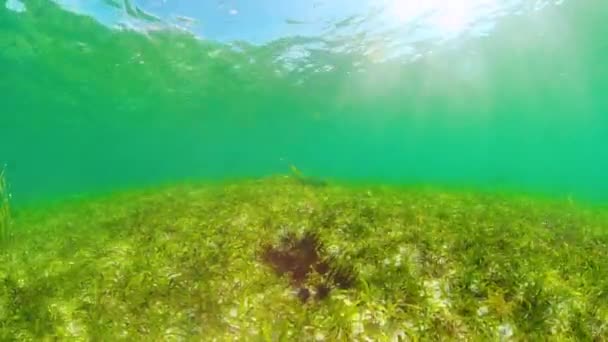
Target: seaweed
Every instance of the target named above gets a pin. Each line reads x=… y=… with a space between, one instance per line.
x=5 y=210
x=244 y=261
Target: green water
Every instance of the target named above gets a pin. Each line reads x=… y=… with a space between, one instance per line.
x=309 y=243
x=87 y=108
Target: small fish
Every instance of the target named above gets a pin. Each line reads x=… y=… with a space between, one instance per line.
x=295 y=171
x=305 y=180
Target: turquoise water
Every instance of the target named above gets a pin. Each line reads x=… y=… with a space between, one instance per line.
x=101 y=96
x=513 y=100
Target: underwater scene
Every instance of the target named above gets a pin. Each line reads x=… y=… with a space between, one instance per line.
x=322 y=170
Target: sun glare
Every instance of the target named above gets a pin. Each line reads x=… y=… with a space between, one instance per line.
x=448 y=18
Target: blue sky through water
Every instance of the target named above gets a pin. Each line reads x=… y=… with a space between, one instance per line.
x=262 y=21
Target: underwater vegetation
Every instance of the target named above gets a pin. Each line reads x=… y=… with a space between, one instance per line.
x=5 y=212
x=274 y=259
